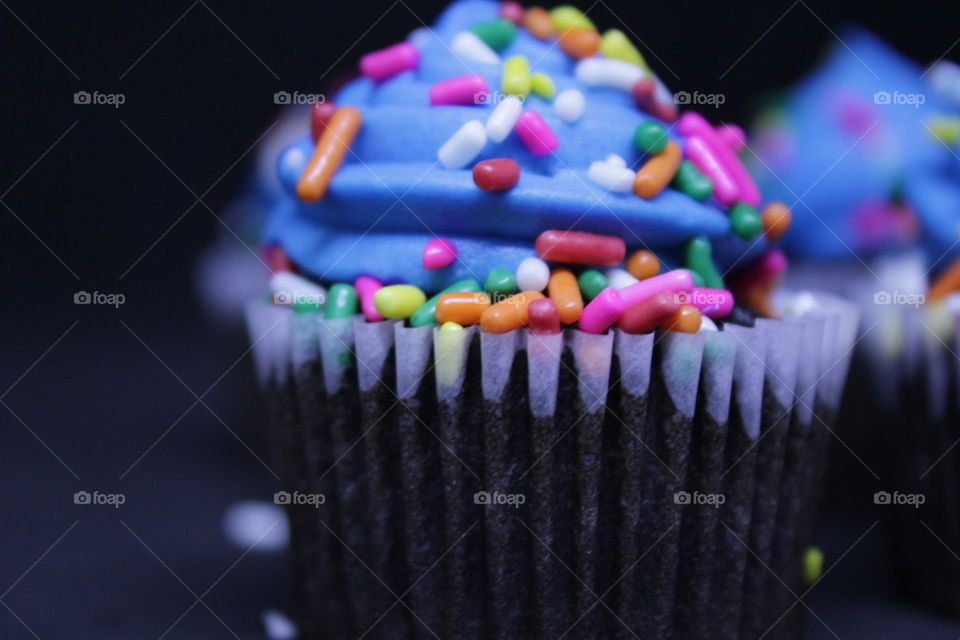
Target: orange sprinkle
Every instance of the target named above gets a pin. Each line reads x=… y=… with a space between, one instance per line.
x=658 y=171
x=538 y=23
x=776 y=218
x=686 y=320
x=565 y=293
x=580 y=42
x=331 y=148
x=947 y=282
x=643 y=264
x=508 y=314
x=462 y=307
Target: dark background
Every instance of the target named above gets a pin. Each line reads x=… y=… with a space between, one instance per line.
x=91 y=192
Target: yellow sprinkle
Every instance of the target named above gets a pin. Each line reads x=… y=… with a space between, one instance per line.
x=451 y=326
x=946 y=128
x=615 y=44
x=542 y=85
x=449 y=355
x=565 y=16
x=398 y=300
x=812 y=565
x=516 y=76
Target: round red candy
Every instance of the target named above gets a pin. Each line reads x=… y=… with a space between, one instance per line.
x=319 y=117
x=577 y=247
x=498 y=174
x=512 y=11
x=543 y=317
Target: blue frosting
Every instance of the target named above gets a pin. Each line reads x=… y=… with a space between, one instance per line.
x=852 y=142
x=390 y=198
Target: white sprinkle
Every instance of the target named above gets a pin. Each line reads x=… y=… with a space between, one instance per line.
x=467 y=45
x=606 y=72
x=463 y=146
x=504 y=117
x=569 y=105
x=259 y=525
x=952 y=303
x=619 y=278
x=289 y=288
x=533 y=275
x=278 y=626
x=611 y=176
x=617 y=160
x=706 y=324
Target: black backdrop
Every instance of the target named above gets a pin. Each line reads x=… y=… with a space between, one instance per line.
x=92 y=192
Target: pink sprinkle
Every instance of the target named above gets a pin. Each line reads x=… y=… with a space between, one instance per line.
x=386 y=63
x=277 y=259
x=438 y=253
x=602 y=312
x=693 y=124
x=469 y=89
x=676 y=280
x=366 y=286
x=536 y=134
x=512 y=11
x=763 y=271
x=732 y=136
x=705 y=158
x=713 y=303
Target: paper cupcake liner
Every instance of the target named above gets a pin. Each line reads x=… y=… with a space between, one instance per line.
x=504 y=486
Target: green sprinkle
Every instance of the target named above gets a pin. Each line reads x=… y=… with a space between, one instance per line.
x=591 y=282
x=689 y=180
x=500 y=283
x=650 y=137
x=812 y=565
x=698 y=280
x=542 y=85
x=497 y=34
x=426 y=314
x=699 y=255
x=343 y=358
x=565 y=16
x=341 y=301
x=745 y=221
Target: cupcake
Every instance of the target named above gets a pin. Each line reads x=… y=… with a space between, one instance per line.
x=866 y=148
x=529 y=371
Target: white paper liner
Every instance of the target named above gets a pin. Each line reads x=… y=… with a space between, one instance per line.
x=680 y=367
x=781 y=370
x=543 y=357
x=719 y=357
x=373 y=340
x=749 y=375
x=497 y=351
x=592 y=357
x=414 y=346
x=268 y=326
x=336 y=350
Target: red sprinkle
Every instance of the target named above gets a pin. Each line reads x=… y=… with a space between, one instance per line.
x=497 y=174
x=319 y=117
x=543 y=318
x=647 y=315
x=277 y=259
x=645 y=96
x=577 y=247
x=512 y=11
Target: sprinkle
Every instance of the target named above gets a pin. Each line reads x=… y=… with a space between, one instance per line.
x=693 y=124
x=536 y=134
x=538 y=23
x=516 y=76
x=451 y=326
x=592 y=282
x=745 y=221
x=438 y=253
x=329 y=153
x=512 y=11
x=386 y=63
x=645 y=92
x=753 y=285
x=706 y=324
x=732 y=136
x=449 y=356
x=366 y=287
x=566 y=16
x=497 y=174
x=577 y=247
x=714 y=303
x=579 y=42
x=648 y=314
x=426 y=313
x=643 y=264
x=812 y=565
x=699 y=257
x=687 y=319
x=504 y=117
x=543 y=318
x=302 y=294
x=569 y=105
x=462 y=307
x=509 y=314
x=542 y=85
x=677 y=280
x=946 y=282
x=614 y=159
x=650 y=137
x=532 y=274
x=776 y=218
x=468 y=46
x=657 y=172
x=565 y=294
x=617 y=46
x=398 y=300
x=320 y=115
x=500 y=283
x=462 y=90
x=707 y=161
x=463 y=146
x=690 y=181
x=619 y=279
x=603 y=311
x=276 y=258
x=497 y=34
x=611 y=176
x=341 y=301
x=277 y=626
x=603 y=72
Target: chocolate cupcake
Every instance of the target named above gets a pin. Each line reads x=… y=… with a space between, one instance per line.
x=512 y=394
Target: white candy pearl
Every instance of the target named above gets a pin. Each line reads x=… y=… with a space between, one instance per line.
x=260 y=525
x=616 y=160
x=619 y=278
x=611 y=176
x=533 y=275
x=504 y=117
x=569 y=105
x=463 y=146
x=468 y=46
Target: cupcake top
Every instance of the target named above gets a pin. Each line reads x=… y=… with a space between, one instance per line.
x=866 y=148
x=500 y=138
